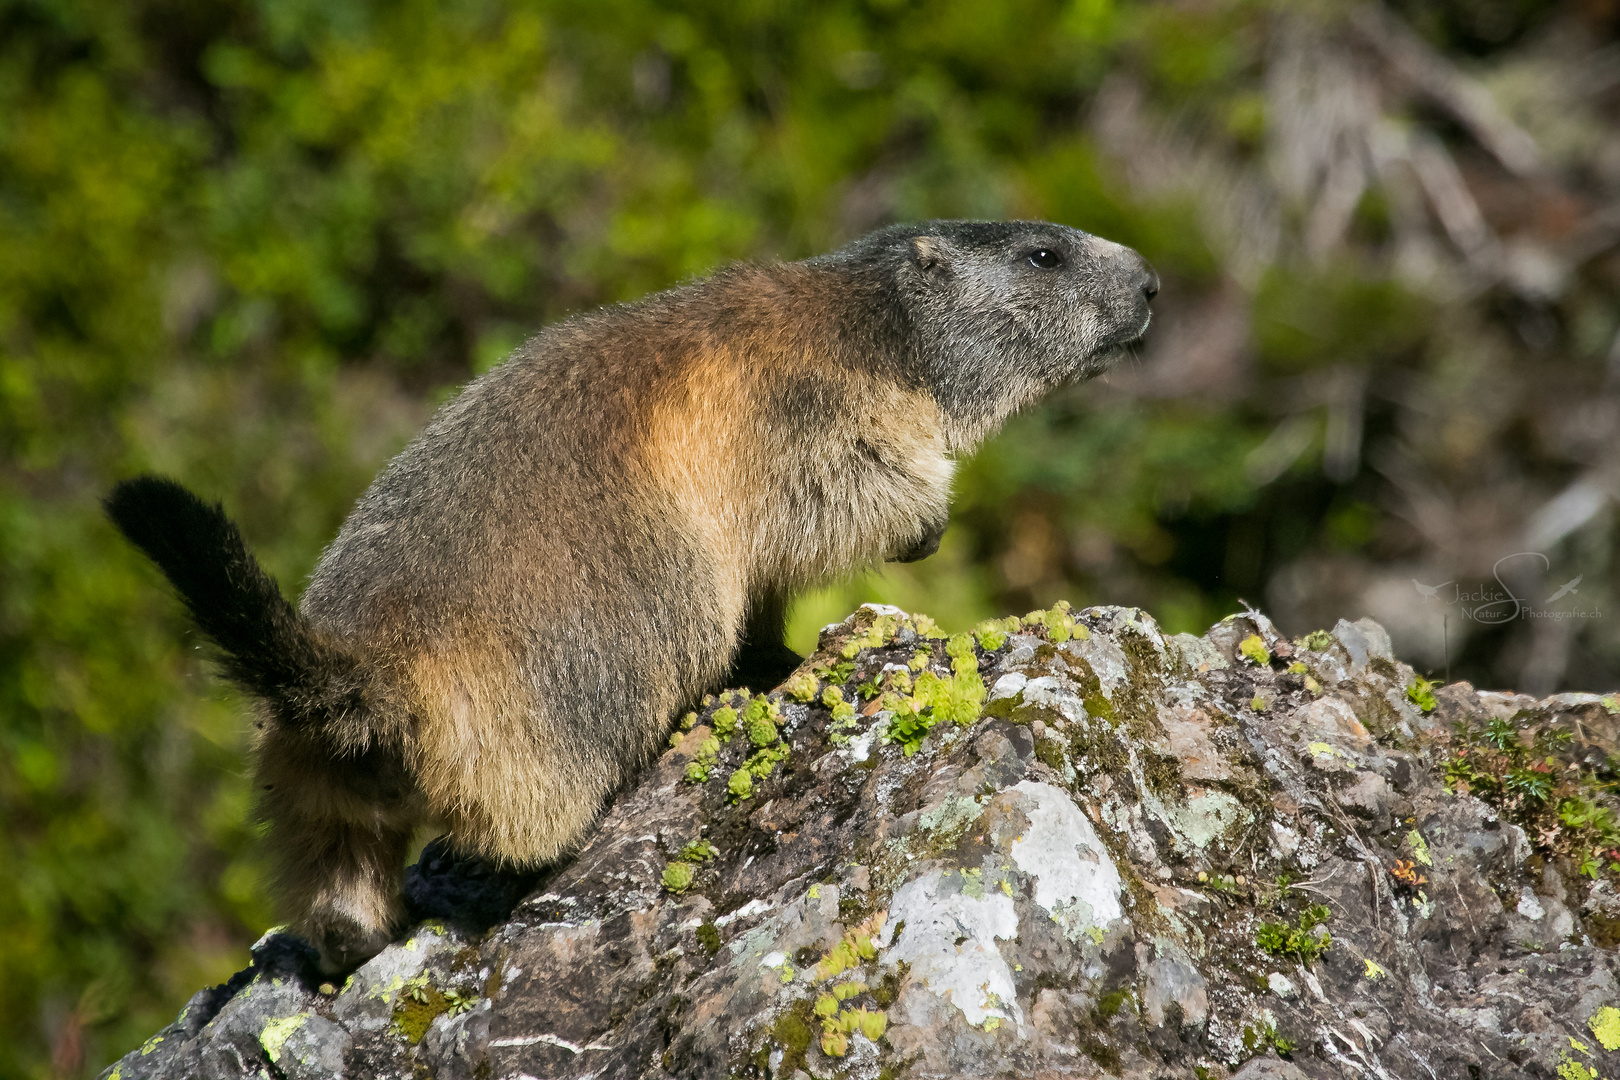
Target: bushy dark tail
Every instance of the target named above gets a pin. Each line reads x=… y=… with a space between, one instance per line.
x=267 y=647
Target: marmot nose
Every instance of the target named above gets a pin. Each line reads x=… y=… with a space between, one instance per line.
x=1139 y=272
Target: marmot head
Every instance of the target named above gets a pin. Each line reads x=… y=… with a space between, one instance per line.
x=999 y=313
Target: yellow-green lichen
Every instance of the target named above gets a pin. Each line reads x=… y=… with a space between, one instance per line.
x=1420 y=848
x=1570 y=1069
x=1253 y=649
x=277 y=1032
x=1373 y=971
x=1605 y=1026
x=387 y=991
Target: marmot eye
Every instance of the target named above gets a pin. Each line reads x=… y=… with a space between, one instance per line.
x=1043 y=259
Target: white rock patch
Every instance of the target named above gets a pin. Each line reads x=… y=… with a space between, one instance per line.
x=972 y=976
x=1075 y=879
x=1048 y=692
x=1107 y=660
x=1009 y=685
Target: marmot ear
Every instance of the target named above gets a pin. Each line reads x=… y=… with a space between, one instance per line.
x=931 y=255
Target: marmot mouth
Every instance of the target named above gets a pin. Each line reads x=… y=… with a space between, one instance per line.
x=1104 y=358
x=1141 y=331
x=1122 y=339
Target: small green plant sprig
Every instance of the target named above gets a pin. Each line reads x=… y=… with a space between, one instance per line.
x=855 y=948
x=757 y=718
x=1315 y=641
x=680 y=872
x=933 y=698
x=1421 y=694
x=1059 y=622
x=1305 y=941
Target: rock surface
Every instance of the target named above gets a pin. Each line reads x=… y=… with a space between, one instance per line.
x=1068 y=845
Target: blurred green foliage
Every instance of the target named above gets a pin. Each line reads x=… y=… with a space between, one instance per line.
x=251 y=243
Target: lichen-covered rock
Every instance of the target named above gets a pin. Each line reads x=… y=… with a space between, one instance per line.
x=1063 y=845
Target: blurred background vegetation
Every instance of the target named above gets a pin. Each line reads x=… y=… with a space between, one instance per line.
x=252 y=243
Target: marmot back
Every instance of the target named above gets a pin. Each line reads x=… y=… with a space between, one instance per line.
x=599 y=530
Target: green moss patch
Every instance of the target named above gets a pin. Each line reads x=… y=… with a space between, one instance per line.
x=793 y=1031
x=422 y=1003
x=1533 y=774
